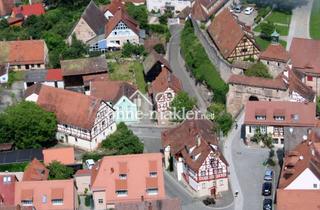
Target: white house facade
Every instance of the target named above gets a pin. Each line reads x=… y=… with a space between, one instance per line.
x=162 y=5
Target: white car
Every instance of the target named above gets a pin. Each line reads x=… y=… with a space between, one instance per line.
x=248 y=11
x=90 y=163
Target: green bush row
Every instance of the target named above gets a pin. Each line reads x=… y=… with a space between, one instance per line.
x=200 y=65
x=262 y=12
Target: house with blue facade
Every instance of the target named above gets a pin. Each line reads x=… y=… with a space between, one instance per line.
x=130 y=104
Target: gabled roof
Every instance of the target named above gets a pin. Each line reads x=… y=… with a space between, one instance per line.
x=84 y=66
x=7 y=189
x=185 y=136
x=119 y=16
x=64 y=155
x=198 y=12
x=33 y=89
x=276 y=83
x=94 y=18
x=275 y=52
x=152 y=59
x=35 y=171
x=28 y=10
x=185 y=12
x=111 y=91
x=70 y=108
x=226 y=32
x=304 y=55
x=23 y=52
x=137 y=167
x=165 y=80
x=46 y=191
x=295 y=114
x=113 y=7
x=305 y=156
x=36 y=75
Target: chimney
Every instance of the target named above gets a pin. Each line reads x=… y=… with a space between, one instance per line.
x=112 y=170
x=142 y=198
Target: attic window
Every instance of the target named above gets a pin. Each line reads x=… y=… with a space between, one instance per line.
x=295 y=117
x=260 y=117
x=278 y=118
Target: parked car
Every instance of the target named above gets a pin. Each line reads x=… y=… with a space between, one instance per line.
x=268 y=175
x=248 y=10
x=267 y=204
x=266 y=188
x=237 y=8
x=209 y=201
x=89 y=163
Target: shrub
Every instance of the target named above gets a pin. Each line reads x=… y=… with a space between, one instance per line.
x=87 y=200
x=200 y=65
x=159 y=48
x=132 y=49
x=258 y=70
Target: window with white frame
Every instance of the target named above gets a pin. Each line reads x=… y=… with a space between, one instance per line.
x=122 y=193
x=153 y=174
x=152 y=191
x=57 y=202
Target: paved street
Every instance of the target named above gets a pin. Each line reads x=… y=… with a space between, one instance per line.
x=178 y=67
x=299 y=26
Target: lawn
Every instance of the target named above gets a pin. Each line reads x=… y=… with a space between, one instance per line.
x=279 y=17
x=263 y=44
x=128 y=71
x=282 y=30
x=315 y=20
x=15 y=76
x=14 y=167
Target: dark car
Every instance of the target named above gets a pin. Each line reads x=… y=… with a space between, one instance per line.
x=266 y=188
x=267 y=204
x=209 y=201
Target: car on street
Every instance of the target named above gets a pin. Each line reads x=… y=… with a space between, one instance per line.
x=267 y=204
x=248 y=10
x=209 y=201
x=266 y=188
x=237 y=8
x=268 y=175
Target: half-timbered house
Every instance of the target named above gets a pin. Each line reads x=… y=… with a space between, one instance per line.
x=83 y=121
x=233 y=39
x=197 y=160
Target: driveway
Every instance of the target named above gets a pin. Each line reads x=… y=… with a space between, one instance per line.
x=299 y=25
x=178 y=67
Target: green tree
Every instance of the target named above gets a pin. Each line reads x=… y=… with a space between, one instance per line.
x=139 y=13
x=132 y=49
x=267 y=29
x=123 y=141
x=59 y=171
x=163 y=19
x=181 y=104
x=28 y=126
x=222 y=118
x=159 y=48
x=76 y=50
x=4 y=24
x=258 y=70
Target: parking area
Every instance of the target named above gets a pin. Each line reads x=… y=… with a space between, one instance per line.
x=247 y=19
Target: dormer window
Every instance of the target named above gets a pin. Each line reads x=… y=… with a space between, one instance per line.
x=279 y=118
x=122 y=176
x=6 y=179
x=153 y=174
x=260 y=117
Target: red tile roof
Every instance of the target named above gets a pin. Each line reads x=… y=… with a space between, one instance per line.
x=136 y=181
x=35 y=171
x=70 y=108
x=298 y=199
x=121 y=15
x=163 y=204
x=226 y=32
x=28 y=10
x=83 y=172
x=305 y=112
x=111 y=90
x=276 y=83
x=52 y=189
x=114 y=6
x=54 y=75
x=164 y=81
x=7 y=189
x=275 y=52
x=6 y=7
x=64 y=155
x=198 y=12
x=304 y=55
x=184 y=136
x=23 y=52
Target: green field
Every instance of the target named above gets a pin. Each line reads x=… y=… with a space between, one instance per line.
x=315 y=20
x=282 y=30
x=279 y=17
x=128 y=71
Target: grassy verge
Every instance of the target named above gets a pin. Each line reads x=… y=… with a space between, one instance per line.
x=200 y=65
x=130 y=71
x=315 y=20
x=279 y=17
x=282 y=30
x=15 y=167
x=263 y=44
